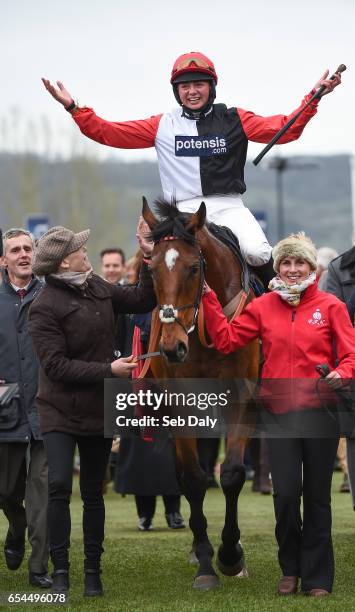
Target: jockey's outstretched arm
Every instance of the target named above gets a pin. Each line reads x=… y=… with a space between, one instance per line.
x=138 y=134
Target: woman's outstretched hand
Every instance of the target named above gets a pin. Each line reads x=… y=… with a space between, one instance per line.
x=142 y=234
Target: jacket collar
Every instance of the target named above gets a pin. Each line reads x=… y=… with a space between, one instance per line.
x=9 y=288
x=309 y=293
x=197 y=115
x=348 y=259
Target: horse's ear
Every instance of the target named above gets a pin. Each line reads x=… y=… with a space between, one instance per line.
x=147 y=214
x=197 y=220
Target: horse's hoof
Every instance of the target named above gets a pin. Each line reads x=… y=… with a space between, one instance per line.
x=237 y=569
x=206 y=583
x=193 y=560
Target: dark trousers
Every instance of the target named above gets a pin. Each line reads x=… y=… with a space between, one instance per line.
x=146 y=505
x=306 y=549
x=260 y=461
x=94 y=453
x=24 y=478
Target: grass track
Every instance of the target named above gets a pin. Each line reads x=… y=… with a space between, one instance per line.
x=146 y=572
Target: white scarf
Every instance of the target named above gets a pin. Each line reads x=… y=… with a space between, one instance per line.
x=291 y=293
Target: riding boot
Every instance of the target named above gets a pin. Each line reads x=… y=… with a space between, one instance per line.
x=60 y=581
x=265 y=272
x=93 y=584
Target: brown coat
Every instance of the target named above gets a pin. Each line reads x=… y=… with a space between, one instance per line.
x=73 y=335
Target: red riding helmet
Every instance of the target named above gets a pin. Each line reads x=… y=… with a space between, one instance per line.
x=193 y=66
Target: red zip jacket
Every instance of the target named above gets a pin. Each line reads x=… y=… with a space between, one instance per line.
x=295 y=340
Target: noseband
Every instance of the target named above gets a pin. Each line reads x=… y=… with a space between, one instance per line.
x=168 y=313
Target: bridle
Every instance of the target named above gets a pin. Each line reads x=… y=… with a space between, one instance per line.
x=168 y=313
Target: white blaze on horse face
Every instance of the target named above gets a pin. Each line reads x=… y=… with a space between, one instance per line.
x=170 y=258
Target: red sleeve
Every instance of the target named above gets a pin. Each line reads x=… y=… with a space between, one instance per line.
x=344 y=336
x=123 y=135
x=228 y=337
x=263 y=129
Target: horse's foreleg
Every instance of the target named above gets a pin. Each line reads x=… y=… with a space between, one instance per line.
x=193 y=485
x=230 y=558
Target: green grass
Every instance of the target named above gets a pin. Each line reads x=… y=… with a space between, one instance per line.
x=148 y=571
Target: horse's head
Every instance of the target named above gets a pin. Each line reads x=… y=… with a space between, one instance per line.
x=177 y=268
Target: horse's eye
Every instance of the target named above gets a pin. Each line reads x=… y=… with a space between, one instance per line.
x=194 y=268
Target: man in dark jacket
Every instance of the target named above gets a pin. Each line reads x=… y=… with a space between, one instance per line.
x=19 y=431
x=341 y=282
x=341 y=275
x=72 y=327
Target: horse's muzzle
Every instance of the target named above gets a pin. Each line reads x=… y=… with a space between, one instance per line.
x=176 y=354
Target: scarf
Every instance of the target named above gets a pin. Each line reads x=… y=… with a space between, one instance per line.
x=75 y=279
x=291 y=293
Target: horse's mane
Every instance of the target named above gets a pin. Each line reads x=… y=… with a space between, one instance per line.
x=171 y=222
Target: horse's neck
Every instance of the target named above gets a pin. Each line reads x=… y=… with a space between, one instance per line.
x=223 y=273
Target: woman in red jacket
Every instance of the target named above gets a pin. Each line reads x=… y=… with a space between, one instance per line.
x=299 y=327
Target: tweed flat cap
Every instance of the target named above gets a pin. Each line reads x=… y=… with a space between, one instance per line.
x=54 y=246
x=295 y=245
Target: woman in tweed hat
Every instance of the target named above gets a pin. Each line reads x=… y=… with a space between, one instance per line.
x=72 y=328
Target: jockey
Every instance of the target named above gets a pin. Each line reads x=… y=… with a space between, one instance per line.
x=201 y=148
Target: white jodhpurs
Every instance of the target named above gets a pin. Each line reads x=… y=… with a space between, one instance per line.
x=230 y=211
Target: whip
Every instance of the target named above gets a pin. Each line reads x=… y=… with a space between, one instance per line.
x=284 y=129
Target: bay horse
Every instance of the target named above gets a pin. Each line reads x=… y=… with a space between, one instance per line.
x=185 y=252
